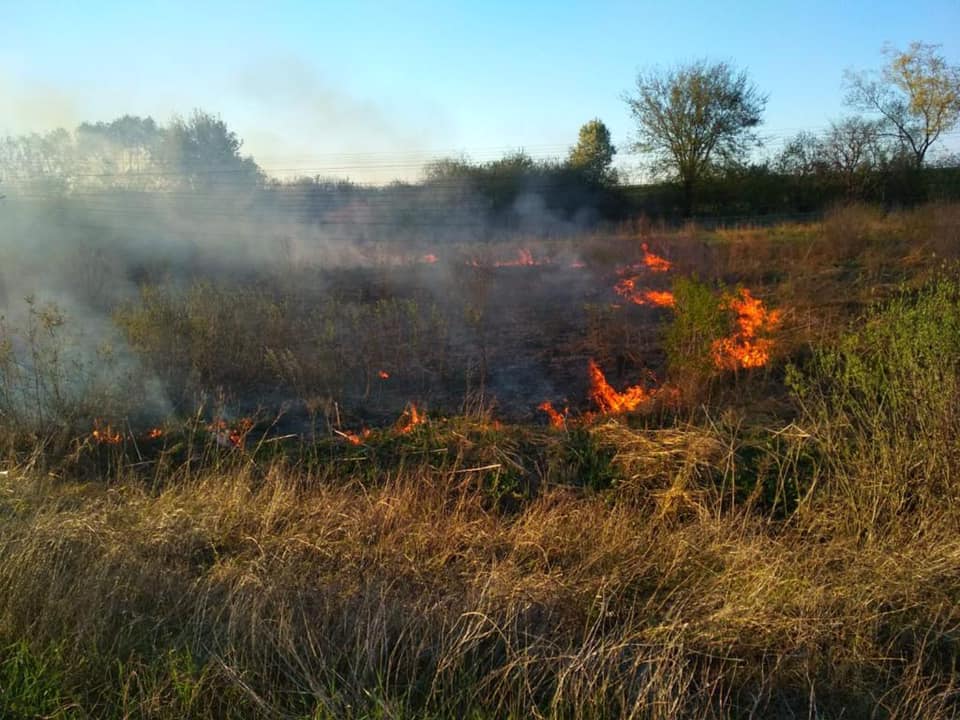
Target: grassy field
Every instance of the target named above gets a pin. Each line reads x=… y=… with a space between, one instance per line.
x=770 y=530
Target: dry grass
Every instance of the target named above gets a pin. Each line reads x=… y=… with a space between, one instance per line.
x=292 y=597
x=706 y=566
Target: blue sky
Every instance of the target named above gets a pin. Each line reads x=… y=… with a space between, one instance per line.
x=370 y=90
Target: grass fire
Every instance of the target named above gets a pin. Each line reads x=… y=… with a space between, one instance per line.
x=411 y=387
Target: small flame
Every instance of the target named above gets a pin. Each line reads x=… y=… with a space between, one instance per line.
x=383 y=375
x=429 y=259
x=660 y=298
x=524 y=258
x=557 y=419
x=227 y=436
x=354 y=438
x=411 y=418
x=154 y=433
x=654 y=262
x=611 y=401
x=744 y=348
x=627 y=288
x=105 y=435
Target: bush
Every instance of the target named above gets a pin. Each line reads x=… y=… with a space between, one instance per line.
x=882 y=406
x=698 y=321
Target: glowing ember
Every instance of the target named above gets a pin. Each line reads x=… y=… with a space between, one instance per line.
x=611 y=401
x=524 y=258
x=429 y=259
x=354 y=438
x=411 y=418
x=154 y=433
x=746 y=348
x=105 y=435
x=557 y=419
x=383 y=375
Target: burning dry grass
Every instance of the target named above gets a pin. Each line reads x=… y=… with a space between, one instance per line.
x=457 y=567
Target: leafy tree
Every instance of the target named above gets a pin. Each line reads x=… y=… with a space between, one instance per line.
x=691 y=116
x=917 y=94
x=206 y=153
x=592 y=156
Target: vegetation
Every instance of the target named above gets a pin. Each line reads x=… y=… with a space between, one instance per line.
x=917 y=96
x=690 y=118
x=777 y=540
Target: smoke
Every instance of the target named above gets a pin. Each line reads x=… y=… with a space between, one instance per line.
x=182 y=272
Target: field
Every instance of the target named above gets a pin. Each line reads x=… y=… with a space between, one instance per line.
x=650 y=473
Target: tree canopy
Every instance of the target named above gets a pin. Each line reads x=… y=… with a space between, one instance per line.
x=917 y=94
x=592 y=156
x=691 y=116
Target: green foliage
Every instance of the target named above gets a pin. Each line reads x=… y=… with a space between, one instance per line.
x=592 y=156
x=690 y=117
x=882 y=405
x=917 y=96
x=698 y=320
x=31 y=685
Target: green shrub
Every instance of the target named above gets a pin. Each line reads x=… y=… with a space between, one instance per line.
x=882 y=406
x=698 y=320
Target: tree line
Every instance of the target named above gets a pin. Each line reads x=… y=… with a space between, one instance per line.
x=696 y=130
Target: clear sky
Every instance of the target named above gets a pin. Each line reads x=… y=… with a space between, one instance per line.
x=370 y=90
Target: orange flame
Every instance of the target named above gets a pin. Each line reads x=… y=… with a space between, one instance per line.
x=627 y=288
x=413 y=418
x=557 y=419
x=355 y=439
x=660 y=298
x=611 y=401
x=227 y=436
x=654 y=262
x=744 y=349
x=383 y=375
x=105 y=435
x=154 y=433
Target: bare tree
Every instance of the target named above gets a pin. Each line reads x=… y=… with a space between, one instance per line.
x=690 y=116
x=917 y=94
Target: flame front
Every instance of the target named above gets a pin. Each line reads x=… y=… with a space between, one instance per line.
x=609 y=400
x=557 y=419
x=627 y=288
x=745 y=348
x=655 y=262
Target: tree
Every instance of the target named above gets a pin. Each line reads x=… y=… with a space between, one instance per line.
x=206 y=153
x=688 y=117
x=917 y=94
x=592 y=156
